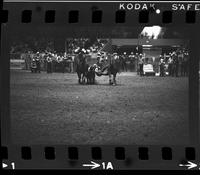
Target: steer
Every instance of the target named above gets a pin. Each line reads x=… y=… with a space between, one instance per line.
x=90 y=75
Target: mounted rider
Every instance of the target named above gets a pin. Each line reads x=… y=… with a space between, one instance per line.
x=49 y=63
x=102 y=64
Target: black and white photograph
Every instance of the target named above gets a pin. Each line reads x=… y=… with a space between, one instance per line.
x=92 y=87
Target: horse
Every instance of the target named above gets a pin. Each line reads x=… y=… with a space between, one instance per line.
x=81 y=68
x=112 y=67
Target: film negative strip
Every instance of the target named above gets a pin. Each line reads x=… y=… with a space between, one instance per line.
x=100 y=85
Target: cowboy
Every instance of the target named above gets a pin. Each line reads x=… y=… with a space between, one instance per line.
x=186 y=63
x=33 y=66
x=49 y=64
x=124 y=59
x=37 y=59
x=132 y=61
x=99 y=64
x=161 y=65
x=103 y=64
x=170 y=64
x=175 y=64
x=141 y=63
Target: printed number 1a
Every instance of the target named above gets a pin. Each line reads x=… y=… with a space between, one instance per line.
x=108 y=166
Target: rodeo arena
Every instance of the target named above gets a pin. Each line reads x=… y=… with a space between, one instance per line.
x=145 y=59
x=100 y=90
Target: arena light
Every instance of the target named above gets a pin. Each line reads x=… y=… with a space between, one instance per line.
x=158 y=11
x=152 y=32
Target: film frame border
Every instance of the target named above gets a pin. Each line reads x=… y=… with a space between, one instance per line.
x=131 y=150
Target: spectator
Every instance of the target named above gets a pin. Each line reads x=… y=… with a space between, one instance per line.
x=161 y=66
x=141 y=63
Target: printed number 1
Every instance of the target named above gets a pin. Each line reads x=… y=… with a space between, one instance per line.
x=13 y=165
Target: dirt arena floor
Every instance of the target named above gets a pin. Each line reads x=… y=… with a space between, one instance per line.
x=55 y=109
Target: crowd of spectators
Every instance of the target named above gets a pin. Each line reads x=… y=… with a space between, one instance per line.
x=33 y=48
x=173 y=63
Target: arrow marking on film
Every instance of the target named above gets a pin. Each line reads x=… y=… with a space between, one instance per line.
x=190 y=165
x=92 y=165
x=4 y=165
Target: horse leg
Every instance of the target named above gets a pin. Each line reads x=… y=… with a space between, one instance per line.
x=88 y=78
x=114 y=79
x=93 y=80
x=110 y=81
x=79 y=78
x=83 y=78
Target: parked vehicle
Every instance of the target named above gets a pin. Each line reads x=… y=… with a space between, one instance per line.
x=148 y=70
